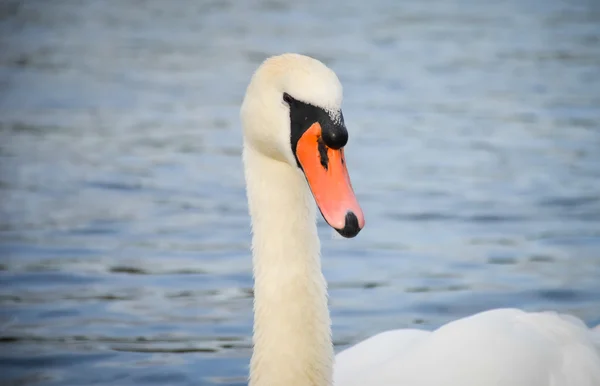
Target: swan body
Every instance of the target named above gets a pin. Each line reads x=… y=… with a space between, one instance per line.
x=294 y=136
x=497 y=347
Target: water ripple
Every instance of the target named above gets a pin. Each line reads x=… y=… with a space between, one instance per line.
x=124 y=229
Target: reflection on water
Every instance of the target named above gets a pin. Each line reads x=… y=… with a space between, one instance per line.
x=474 y=136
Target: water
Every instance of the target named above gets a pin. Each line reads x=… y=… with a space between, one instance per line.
x=124 y=236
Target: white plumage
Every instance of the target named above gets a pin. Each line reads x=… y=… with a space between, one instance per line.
x=498 y=347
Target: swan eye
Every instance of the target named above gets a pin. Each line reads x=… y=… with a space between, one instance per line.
x=287 y=98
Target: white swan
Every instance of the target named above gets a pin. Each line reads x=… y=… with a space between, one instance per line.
x=294 y=133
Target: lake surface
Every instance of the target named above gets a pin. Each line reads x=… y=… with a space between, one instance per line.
x=124 y=235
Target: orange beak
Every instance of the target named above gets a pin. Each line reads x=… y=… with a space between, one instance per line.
x=327 y=176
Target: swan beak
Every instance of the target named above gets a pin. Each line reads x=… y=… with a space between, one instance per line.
x=327 y=175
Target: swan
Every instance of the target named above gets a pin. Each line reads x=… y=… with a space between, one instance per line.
x=293 y=155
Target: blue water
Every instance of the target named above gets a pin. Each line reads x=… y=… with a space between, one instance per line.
x=124 y=235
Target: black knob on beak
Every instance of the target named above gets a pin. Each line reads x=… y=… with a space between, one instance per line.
x=335 y=136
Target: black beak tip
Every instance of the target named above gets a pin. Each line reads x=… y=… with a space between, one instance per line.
x=351 y=227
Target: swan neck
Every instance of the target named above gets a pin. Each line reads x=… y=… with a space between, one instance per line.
x=292 y=326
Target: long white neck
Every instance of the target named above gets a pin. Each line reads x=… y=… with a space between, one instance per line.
x=292 y=327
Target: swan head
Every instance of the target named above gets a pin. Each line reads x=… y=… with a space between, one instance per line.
x=292 y=113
